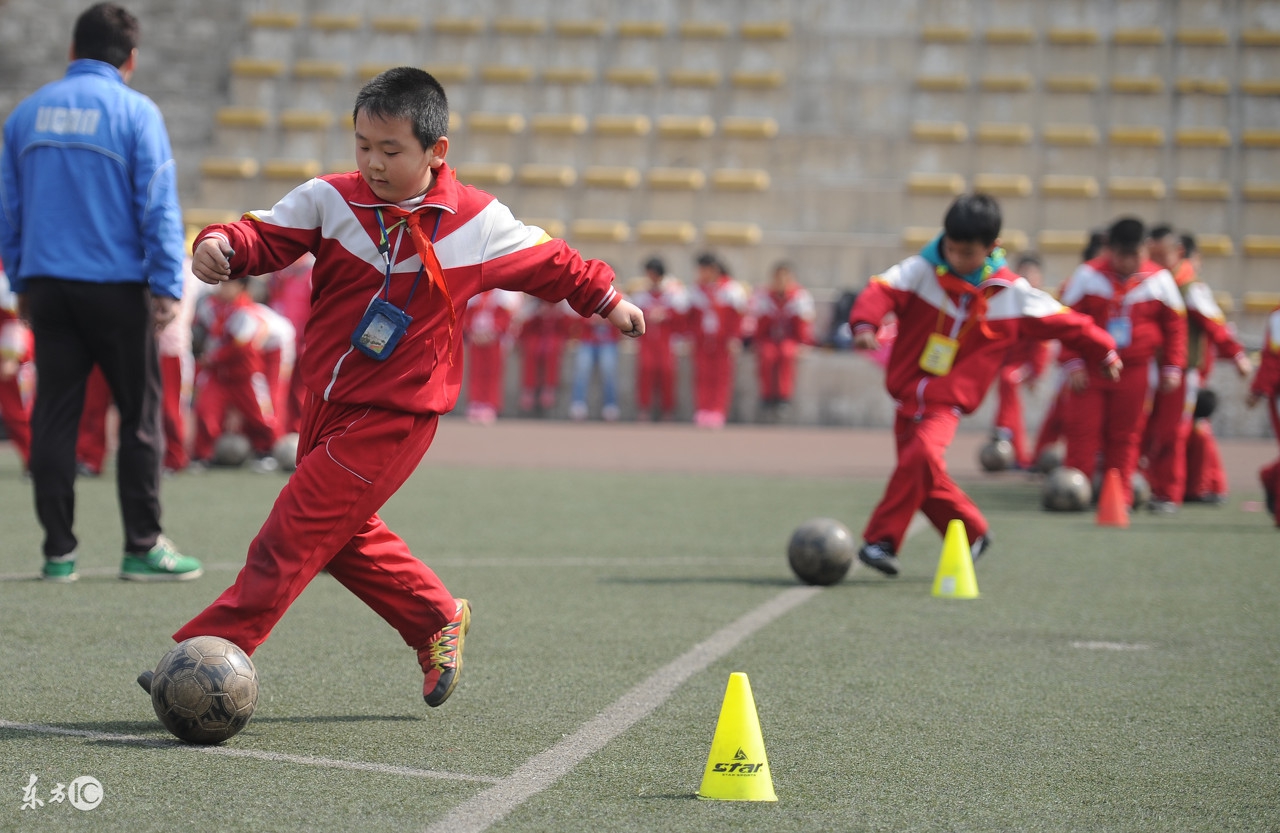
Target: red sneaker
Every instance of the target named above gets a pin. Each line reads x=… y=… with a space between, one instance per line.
x=441 y=660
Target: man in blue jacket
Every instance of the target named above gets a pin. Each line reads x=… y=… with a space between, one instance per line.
x=91 y=236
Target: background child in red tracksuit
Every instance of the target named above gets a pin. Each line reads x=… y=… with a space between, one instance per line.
x=717 y=304
x=484 y=329
x=16 y=345
x=401 y=247
x=1023 y=365
x=1137 y=302
x=542 y=331
x=1266 y=385
x=665 y=302
x=959 y=310
x=782 y=315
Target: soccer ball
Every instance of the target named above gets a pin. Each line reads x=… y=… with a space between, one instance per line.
x=204 y=690
x=286 y=452
x=1141 y=490
x=821 y=551
x=1050 y=458
x=1067 y=490
x=231 y=450
x=996 y=455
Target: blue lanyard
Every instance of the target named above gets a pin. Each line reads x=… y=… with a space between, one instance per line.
x=384 y=246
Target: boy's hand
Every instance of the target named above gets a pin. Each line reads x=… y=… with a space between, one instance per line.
x=1243 y=366
x=1112 y=370
x=1078 y=378
x=163 y=310
x=1252 y=400
x=628 y=318
x=865 y=340
x=211 y=260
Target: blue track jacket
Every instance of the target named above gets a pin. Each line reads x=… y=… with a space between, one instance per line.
x=88 y=186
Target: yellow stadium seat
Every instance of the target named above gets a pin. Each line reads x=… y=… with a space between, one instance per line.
x=1260 y=37
x=295 y=170
x=1136 y=187
x=1070 y=186
x=676 y=179
x=552 y=226
x=201 y=217
x=917 y=237
x=1137 y=84
x=765 y=30
x=694 y=78
x=396 y=24
x=630 y=125
x=740 y=179
x=274 y=20
x=632 y=76
x=1215 y=245
x=930 y=184
x=1202 y=137
x=731 y=234
x=1070 y=134
x=999 y=133
x=1072 y=83
x=704 y=29
x=548 y=176
x=243 y=117
x=641 y=29
x=1016 y=82
x=1225 y=302
x=568 y=75
x=939 y=131
x=1261 y=191
x=743 y=127
x=306 y=119
x=519 y=26
x=458 y=26
x=1139 y=36
x=1260 y=86
x=1053 y=241
x=1188 y=85
x=1015 y=240
x=257 y=67
x=320 y=70
x=1137 y=136
x=449 y=73
x=1259 y=300
x=666 y=231
x=1260 y=138
x=229 y=167
x=490 y=173
x=371 y=70
x=559 y=124
x=949 y=82
x=759 y=80
x=509 y=123
x=1003 y=185
x=1203 y=37
x=330 y=22
x=1010 y=35
x=1073 y=36
x=1261 y=245
x=1208 y=190
x=602 y=231
x=506 y=74
x=585 y=28
x=946 y=34
x=686 y=127
x=611 y=176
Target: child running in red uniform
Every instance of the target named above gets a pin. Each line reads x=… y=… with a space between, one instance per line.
x=959 y=310
x=400 y=246
x=1266 y=385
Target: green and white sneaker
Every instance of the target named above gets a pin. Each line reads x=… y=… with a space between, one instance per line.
x=162 y=562
x=61 y=569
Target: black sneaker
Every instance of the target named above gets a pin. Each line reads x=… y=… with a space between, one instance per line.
x=980 y=545
x=879 y=556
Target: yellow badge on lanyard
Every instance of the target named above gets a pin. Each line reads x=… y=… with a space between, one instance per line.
x=939 y=354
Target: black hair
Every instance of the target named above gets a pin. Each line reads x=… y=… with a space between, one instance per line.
x=655 y=265
x=1188 y=241
x=1160 y=231
x=707 y=259
x=1097 y=239
x=1206 y=404
x=784 y=264
x=973 y=217
x=1125 y=235
x=407 y=93
x=105 y=32
x=1026 y=259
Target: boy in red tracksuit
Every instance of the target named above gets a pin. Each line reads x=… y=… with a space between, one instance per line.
x=1023 y=365
x=91 y=437
x=717 y=304
x=233 y=372
x=1266 y=385
x=401 y=247
x=783 y=313
x=959 y=310
x=279 y=354
x=16 y=346
x=1170 y=425
x=542 y=332
x=484 y=330
x=177 y=373
x=1138 y=302
x=665 y=303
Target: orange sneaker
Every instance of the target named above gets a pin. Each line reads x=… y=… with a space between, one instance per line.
x=441 y=660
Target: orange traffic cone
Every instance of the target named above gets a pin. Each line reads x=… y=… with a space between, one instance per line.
x=1112 y=510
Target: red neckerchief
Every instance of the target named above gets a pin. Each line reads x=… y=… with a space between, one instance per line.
x=427 y=252
x=977 y=311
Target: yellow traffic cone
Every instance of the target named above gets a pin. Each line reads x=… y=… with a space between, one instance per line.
x=955 y=578
x=737 y=768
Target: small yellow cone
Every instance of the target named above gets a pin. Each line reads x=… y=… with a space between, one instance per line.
x=737 y=768
x=955 y=578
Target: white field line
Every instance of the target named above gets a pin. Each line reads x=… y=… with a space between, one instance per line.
x=259 y=755
x=544 y=769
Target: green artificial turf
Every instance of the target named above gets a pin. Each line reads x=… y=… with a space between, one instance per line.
x=1104 y=680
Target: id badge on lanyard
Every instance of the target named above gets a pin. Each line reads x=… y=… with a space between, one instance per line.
x=1120 y=329
x=940 y=350
x=384 y=324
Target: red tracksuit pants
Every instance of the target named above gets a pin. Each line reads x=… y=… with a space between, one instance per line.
x=1009 y=412
x=249 y=396
x=1205 y=473
x=91 y=441
x=484 y=375
x=713 y=378
x=1270 y=475
x=776 y=366
x=540 y=370
x=1051 y=427
x=656 y=375
x=175 y=374
x=1165 y=439
x=920 y=482
x=1108 y=418
x=16 y=418
x=325 y=517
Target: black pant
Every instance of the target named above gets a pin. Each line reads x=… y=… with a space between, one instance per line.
x=78 y=324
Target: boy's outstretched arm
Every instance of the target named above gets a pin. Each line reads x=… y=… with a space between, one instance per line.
x=628 y=318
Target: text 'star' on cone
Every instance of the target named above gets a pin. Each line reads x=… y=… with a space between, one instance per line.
x=955 y=578
x=737 y=768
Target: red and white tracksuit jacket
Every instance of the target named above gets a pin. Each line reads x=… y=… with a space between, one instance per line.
x=1025 y=362
x=289 y=293
x=1146 y=313
x=1169 y=428
x=985 y=321
x=367 y=423
x=1266 y=384
x=716 y=310
x=233 y=374
x=783 y=321
x=16 y=352
x=485 y=326
x=541 y=332
x=665 y=306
